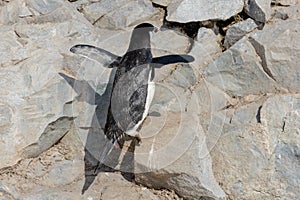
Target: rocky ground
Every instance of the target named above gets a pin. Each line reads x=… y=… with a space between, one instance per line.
x=229 y=123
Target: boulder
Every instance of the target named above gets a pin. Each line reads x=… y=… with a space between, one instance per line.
x=168 y=41
x=36 y=100
x=120 y=14
x=256 y=155
x=289 y=12
x=238 y=71
x=184 y=11
x=44 y=7
x=259 y=10
x=237 y=31
x=205 y=48
x=174 y=154
x=57 y=174
x=277 y=46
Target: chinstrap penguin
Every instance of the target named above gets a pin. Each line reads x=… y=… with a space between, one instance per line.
x=133 y=87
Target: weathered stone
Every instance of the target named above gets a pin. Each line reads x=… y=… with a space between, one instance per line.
x=290 y=12
x=34 y=95
x=169 y=42
x=97 y=10
x=206 y=48
x=45 y=6
x=259 y=10
x=119 y=14
x=256 y=156
x=182 y=77
x=199 y=10
x=158 y=162
x=280 y=15
x=237 y=31
x=162 y=2
x=11 y=11
x=251 y=129
x=238 y=71
x=285 y=2
x=51 y=135
x=53 y=175
x=278 y=46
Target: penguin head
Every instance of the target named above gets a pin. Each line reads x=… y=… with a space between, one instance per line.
x=146 y=26
x=140 y=37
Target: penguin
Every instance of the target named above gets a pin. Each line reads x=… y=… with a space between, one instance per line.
x=133 y=86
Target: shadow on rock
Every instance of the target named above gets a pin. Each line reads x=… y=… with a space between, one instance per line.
x=100 y=155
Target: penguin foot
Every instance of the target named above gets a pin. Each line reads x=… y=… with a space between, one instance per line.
x=138 y=136
x=117 y=145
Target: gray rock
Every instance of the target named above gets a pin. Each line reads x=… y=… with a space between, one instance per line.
x=96 y=10
x=51 y=135
x=242 y=105
x=259 y=10
x=238 y=71
x=162 y=2
x=206 y=48
x=277 y=46
x=285 y=2
x=199 y=10
x=5 y=195
x=44 y=7
x=290 y=12
x=171 y=93
x=167 y=42
x=280 y=116
x=32 y=55
x=175 y=140
x=254 y=158
x=54 y=176
x=10 y=12
x=237 y=31
x=120 y=14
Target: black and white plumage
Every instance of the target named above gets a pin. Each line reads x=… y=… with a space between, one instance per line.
x=133 y=86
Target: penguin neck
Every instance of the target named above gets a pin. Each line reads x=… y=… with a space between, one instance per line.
x=139 y=41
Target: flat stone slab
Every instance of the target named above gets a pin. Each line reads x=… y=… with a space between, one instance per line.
x=184 y=11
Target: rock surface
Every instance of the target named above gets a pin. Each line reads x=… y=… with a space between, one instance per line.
x=205 y=48
x=162 y=2
x=229 y=121
x=119 y=14
x=58 y=174
x=238 y=72
x=200 y=10
x=167 y=42
x=179 y=145
x=285 y=2
x=260 y=10
x=276 y=50
x=237 y=31
x=266 y=164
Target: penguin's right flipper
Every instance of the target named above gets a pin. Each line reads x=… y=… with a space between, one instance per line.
x=170 y=59
x=105 y=58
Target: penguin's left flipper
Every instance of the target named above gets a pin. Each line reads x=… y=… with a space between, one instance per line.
x=103 y=57
x=170 y=59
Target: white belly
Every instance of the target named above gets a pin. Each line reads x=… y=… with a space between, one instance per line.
x=150 y=94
